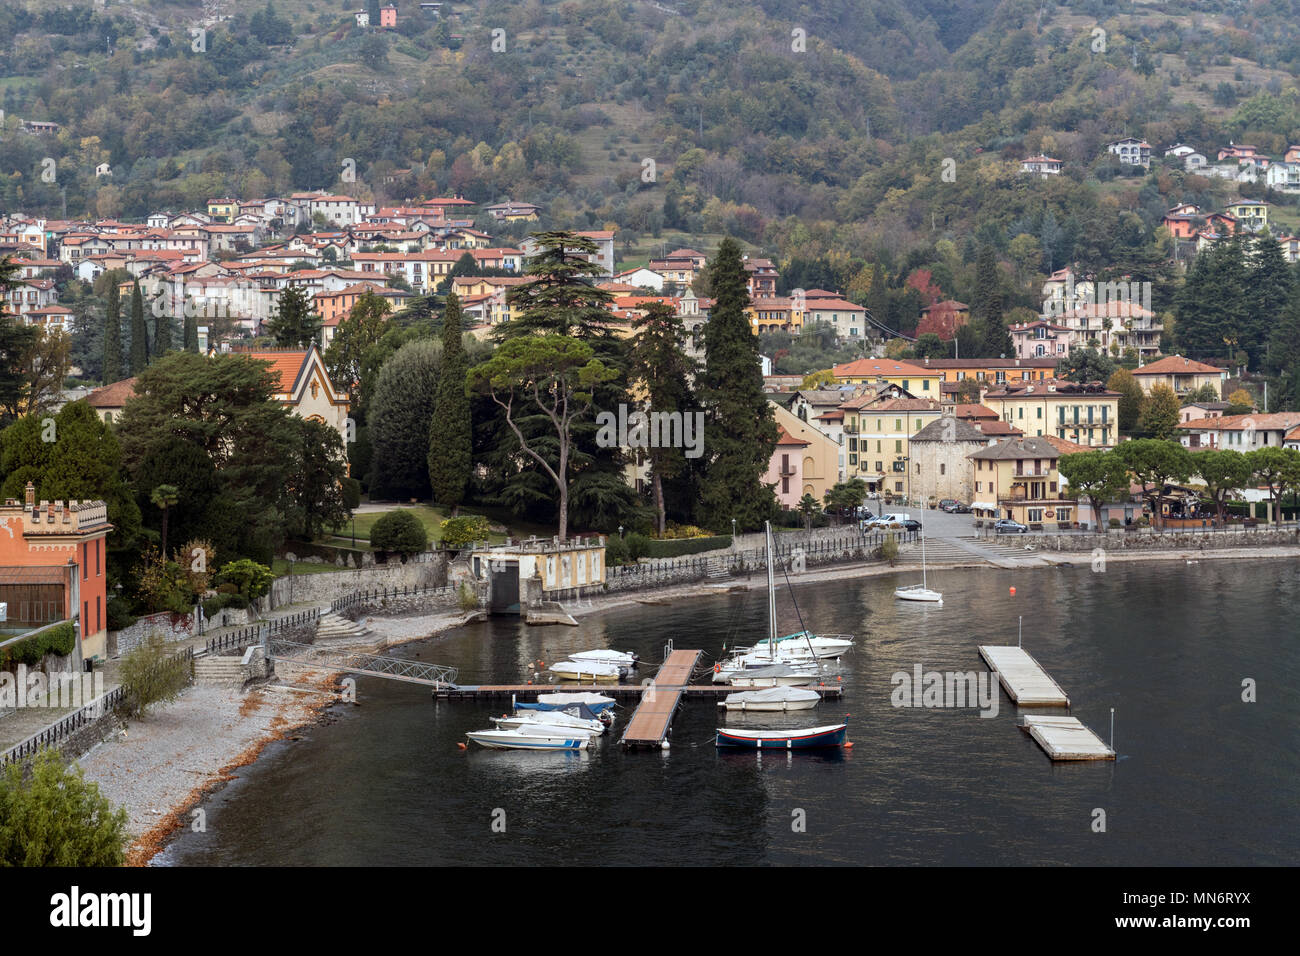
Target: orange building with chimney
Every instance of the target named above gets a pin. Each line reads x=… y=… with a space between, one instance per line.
x=53 y=567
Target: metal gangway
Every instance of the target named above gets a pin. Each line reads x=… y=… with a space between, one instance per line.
x=371 y=665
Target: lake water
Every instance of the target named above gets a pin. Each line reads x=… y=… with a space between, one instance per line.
x=1202 y=778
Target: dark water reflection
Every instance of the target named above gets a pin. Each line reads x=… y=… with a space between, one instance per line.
x=1203 y=778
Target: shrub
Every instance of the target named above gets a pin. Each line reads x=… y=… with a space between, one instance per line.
x=1113 y=522
x=616 y=552
x=888 y=550
x=118 y=613
x=467 y=597
x=676 y=547
x=250 y=579
x=55 y=817
x=399 y=531
x=151 y=674
x=213 y=605
x=59 y=639
x=351 y=493
x=462 y=531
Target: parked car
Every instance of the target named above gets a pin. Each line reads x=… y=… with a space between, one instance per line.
x=949 y=505
x=881 y=522
x=911 y=524
x=1007 y=526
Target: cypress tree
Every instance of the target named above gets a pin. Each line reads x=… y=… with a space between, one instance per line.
x=740 y=431
x=139 y=332
x=162 y=333
x=451 y=456
x=113 y=337
x=191 y=333
x=986 y=305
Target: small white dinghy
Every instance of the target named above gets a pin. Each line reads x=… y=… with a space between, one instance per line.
x=772 y=698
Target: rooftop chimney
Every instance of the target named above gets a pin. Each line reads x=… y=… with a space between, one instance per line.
x=31 y=496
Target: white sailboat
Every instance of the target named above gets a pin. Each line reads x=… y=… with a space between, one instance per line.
x=919 y=592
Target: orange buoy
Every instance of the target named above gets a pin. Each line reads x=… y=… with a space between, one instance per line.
x=848 y=745
x=461 y=747
x=1013 y=592
x=530 y=682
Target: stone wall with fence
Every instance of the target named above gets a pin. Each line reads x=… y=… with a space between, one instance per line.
x=427 y=569
x=403 y=600
x=1145 y=540
x=790 y=555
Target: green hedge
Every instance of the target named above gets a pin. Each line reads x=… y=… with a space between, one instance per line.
x=627 y=550
x=59 y=639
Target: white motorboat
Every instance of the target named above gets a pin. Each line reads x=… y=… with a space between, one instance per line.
x=588 y=672
x=520 y=740
x=919 y=592
x=554 y=719
x=772 y=698
x=621 y=658
x=596 y=702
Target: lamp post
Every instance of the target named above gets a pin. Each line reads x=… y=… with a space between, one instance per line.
x=620 y=532
x=733 y=530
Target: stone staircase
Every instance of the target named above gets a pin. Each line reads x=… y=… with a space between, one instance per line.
x=332 y=626
x=716 y=570
x=216 y=670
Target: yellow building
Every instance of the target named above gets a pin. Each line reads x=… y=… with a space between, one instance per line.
x=775 y=313
x=1183 y=375
x=1087 y=414
x=1019 y=476
x=911 y=377
x=223 y=210
x=878 y=438
x=821 y=456
x=992 y=371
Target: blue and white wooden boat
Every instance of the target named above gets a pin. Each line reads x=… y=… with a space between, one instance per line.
x=832 y=735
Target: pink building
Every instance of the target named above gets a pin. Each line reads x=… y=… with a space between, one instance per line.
x=388 y=16
x=785 y=470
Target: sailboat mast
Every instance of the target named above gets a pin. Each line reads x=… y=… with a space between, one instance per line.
x=923 y=581
x=771 y=596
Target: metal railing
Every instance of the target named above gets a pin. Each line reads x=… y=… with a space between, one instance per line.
x=66 y=726
x=257 y=633
x=373 y=665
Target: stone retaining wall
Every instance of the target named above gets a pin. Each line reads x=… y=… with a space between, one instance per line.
x=430 y=571
x=173 y=627
x=422 y=602
x=1168 y=541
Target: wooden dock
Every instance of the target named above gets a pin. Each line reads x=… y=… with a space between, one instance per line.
x=654 y=715
x=1066 y=738
x=1022 y=677
x=621 y=692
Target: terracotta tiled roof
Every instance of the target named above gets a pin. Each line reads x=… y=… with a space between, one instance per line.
x=1177 y=365
x=112 y=396
x=976 y=412
x=785 y=438
x=285 y=366
x=1065 y=447
x=883 y=367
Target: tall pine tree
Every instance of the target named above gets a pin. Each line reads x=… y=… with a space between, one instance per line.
x=191 y=333
x=986 y=305
x=1270 y=282
x=659 y=364
x=451 y=453
x=295 y=323
x=740 y=431
x=113 y=336
x=561 y=298
x=139 y=332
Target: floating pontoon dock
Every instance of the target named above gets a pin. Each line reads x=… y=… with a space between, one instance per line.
x=1066 y=738
x=1022 y=677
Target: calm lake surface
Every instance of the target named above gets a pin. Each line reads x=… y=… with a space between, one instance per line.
x=1202 y=778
